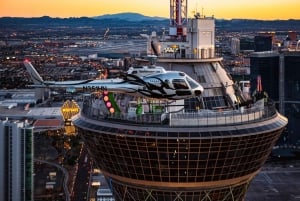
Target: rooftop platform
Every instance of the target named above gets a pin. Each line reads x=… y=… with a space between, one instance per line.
x=172 y=60
x=32 y=113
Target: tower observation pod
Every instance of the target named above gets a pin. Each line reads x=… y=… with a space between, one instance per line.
x=203 y=148
x=178 y=19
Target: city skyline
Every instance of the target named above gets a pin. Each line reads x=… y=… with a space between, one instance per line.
x=229 y=9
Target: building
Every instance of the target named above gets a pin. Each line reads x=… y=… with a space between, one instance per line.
x=246 y=44
x=280 y=75
x=16 y=161
x=17 y=97
x=266 y=64
x=208 y=147
x=292 y=35
x=235 y=46
x=263 y=43
x=290 y=94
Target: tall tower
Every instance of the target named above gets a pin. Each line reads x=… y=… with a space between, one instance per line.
x=16 y=161
x=198 y=149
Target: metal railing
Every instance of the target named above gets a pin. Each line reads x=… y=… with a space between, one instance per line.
x=182 y=118
x=216 y=118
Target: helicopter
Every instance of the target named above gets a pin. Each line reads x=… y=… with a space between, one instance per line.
x=173 y=85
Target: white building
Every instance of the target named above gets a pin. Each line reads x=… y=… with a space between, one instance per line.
x=197 y=42
x=16 y=161
x=235 y=46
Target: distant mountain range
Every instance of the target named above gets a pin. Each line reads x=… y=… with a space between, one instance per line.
x=134 y=21
x=128 y=17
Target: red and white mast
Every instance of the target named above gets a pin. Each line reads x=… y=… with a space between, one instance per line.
x=178 y=18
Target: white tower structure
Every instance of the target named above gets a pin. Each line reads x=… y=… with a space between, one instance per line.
x=201 y=37
x=188 y=38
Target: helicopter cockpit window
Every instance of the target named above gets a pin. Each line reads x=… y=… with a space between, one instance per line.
x=179 y=84
x=192 y=83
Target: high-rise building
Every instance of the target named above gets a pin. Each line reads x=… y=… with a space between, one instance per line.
x=280 y=74
x=266 y=64
x=289 y=99
x=16 y=161
x=291 y=75
x=208 y=147
x=263 y=43
x=235 y=46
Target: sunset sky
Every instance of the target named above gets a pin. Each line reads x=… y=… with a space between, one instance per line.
x=227 y=9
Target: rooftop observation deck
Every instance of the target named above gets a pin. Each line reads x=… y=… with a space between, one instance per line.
x=201 y=118
x=183 y=60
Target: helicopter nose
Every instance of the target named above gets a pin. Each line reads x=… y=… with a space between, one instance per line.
x=198 y=92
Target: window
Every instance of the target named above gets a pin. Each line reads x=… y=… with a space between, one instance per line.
x=180 y=84
x=192 y=83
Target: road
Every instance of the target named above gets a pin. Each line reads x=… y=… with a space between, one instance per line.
x=276 y=184
x=66 y=176
x=81 y=185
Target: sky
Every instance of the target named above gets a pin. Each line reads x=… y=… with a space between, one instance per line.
x=221 y=9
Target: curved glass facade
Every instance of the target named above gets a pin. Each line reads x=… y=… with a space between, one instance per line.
x=151 y=163
x=181 y=159
x=228 y=193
